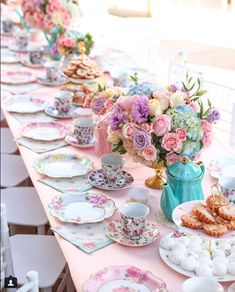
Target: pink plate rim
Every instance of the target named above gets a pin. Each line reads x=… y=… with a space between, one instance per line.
x=112 y=273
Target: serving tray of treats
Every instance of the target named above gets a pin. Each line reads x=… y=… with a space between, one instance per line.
x=213 y=218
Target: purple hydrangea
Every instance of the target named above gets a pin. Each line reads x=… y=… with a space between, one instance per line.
x=117 y=117
x=213 y=116
x=97 y=104
x=140 y=109
x=141 y=140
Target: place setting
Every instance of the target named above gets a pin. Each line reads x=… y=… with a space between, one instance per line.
x=34 y=58
x=21 y=42
x=8 y=57
x=18 y=77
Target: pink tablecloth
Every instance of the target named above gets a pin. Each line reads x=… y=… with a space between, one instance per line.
x=82 y=265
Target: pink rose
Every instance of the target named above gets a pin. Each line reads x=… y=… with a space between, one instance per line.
x=181 y=134
x=150 y=153
x=66 y=41
x=126 y=102
x=161 y=124
x=128 y=130
x=108 y=105
x=207 y=139
x=171 y=142
x=146 y=127
x=206 y=126
x=163 y=98
x=172 y=158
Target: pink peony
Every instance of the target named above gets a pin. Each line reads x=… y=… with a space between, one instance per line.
x=172 y=158
x=181 y=134
x=150 y=153
x=206 y=126
x=171 y=142
x=161 y=124
x=207 y=139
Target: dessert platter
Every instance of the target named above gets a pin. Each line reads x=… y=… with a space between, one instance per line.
x=80 y=208
x=214 y=217
x=79 y=92
x=82 y=70
x=193 y=255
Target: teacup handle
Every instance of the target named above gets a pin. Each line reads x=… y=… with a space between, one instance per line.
x=215 y=187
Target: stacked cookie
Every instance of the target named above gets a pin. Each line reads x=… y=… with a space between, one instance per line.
x=215 y=217
x=82 y=69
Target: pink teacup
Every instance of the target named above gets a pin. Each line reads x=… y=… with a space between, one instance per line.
x=133 y=219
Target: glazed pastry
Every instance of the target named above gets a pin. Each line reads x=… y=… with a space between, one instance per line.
x=191 y=221
x=204 y=271
x=230 y=224
x=214 y=202
x=176 y=256
x=219 y=269
x=231 y=268
x=189 y=263
x=215 y=230
x=203 y=214
x=227 y=212
x=167 y=242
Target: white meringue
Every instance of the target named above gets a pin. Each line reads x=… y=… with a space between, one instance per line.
x=195 y=246
x=183 y=240
x=167 y=242
x=231 y=268
x=224 y=245
x=221 y=260
x=219 y=269
x=205 y=253
x=176 y=256
x=195 y=238
x=218 y=252
x=204 y=271
x=205 y=261
x=231 y=257
x=181 y=247
x=189 y=263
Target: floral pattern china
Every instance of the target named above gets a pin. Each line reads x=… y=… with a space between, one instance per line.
x=18 y=77
x=44 y=81
x=124 y=279
x=53 y=112
x=114 y=231
x=72 y=140
x=96 y=178
x=80 y=208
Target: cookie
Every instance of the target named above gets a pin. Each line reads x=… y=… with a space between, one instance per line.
x=81 y=73
x=203 y=214
x=215 y=230
x=75 y=62
x=191 y=221
x=227 y=212
x=89 y=76
x=229 y=224
x=214 y=202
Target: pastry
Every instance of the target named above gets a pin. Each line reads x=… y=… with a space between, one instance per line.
x=203 y=214
x=195 y=246
x=176 y=256
x=205 y=261
x=189 y=263
x=167 y=242
x=220 y=259
x=218 y=252
x=180 y=247
x=183 y=240
x=205 y=254
x=214 y=202
x=227 y=212
x=219 y=269
x=231 y=268
x=230 y=224
x=191 y=221
x=204 y=271
x=224 y=245
x=216 y=230
x=231 y=257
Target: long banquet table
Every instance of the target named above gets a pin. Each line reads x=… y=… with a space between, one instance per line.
x=83 y=265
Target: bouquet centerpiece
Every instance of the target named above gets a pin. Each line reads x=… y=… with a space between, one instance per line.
x=158 y=129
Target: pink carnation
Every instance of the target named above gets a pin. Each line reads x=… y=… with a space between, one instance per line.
x=172 y=158
x=181 y=134
x=161 y=125
x=171 y=142
x=150 y=153
x=206 y=126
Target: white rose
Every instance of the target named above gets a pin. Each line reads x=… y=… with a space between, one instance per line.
x=177 y=99
x=113 y=136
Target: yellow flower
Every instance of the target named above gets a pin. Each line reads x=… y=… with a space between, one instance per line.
x=155 y=107
x=177 y=99
x=113 y=136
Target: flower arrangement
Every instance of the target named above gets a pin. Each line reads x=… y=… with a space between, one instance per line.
x=45 y=14
x=163 y=126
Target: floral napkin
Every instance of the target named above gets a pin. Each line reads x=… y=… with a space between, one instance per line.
x=34 y=117
x=79 y=183
x=41 y=146
x=88 y=237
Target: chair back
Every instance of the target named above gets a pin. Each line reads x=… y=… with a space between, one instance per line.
x=32 y=283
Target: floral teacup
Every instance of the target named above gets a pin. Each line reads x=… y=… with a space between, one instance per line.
x=227 y=186
x=7 y=25
x=62 y=101
x=133 y=219
x=35 y=55
x=22 y=39
x=84 y=131
x=53 y=70
x=112 y=168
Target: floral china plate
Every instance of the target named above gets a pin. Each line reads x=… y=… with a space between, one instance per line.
x=222 y=167
x=9 y=57
x=62 y=165
x=44 y=81
x=44 y=131
x=18 y=77
x=114 y=231
x=72 y=140
x=27 y=63
x=82 y=208
x=13 y=47
x=124 y=279
x=96 y=178
x=24 y=104
x=186 y=208
x=53 y=112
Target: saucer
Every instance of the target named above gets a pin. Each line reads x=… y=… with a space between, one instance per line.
x=53 y=112
x=71 y=139
x=114 y=231
x=15 y=48
x=63 y=80
x=27 y=63
x=97 y=180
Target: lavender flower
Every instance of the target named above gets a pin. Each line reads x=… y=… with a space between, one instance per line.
x=117 y=117
x=140 y=109
x=213 y=116
x=141 y=140
x=97 y=104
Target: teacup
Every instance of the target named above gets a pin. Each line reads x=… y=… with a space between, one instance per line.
x=84 y=131
x=112 y=168
x=196 y=284
x=35 y=55
x=63 y=101
x=133 y=219
x=22 y=39
x=53 y=70
x=227 y=186
x=7 y=25
x=138 y=194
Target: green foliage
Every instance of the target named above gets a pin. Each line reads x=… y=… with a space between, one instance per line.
x=119 y=147
x=134 y=78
